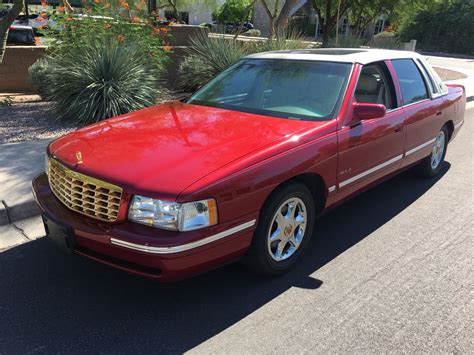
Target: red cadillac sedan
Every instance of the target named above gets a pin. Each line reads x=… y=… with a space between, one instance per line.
x=242 y=168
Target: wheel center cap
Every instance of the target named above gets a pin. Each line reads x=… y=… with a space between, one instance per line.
x=288 y=230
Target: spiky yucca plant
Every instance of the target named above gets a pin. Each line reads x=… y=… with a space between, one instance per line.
x=102 y=81
x=208 y=56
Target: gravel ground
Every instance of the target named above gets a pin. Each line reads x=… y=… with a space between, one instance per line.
x=446 y=74
x=33 y=120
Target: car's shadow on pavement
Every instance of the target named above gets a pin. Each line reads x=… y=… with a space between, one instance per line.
x=50 y=302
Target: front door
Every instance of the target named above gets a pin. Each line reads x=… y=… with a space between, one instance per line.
x=373 y=148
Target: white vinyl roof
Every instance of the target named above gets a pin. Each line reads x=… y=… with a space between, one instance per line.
x=343 y=55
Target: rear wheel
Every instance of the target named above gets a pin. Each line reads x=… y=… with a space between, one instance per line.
x=432 y=164
x=284 y=230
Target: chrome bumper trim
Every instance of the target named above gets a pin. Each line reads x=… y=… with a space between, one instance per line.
x=184 y=247
x=418 y=147
x=370 y=171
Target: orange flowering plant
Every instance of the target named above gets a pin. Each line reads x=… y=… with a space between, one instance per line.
x=103 y=23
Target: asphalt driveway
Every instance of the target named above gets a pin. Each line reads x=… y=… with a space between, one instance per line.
x=391 y=270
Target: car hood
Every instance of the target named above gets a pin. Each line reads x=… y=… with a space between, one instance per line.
x=161 y=150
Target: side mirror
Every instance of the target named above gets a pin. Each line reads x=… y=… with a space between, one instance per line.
x=367 y=111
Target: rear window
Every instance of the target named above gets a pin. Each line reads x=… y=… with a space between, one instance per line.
x=306 y=90
x=411 y=82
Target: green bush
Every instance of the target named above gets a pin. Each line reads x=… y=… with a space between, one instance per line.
x=232 y=11
x=101 y=80
x=102 y=24
x=385 y=40
x=443 y=27
x=252 y=33
x=38 y=75
x=193 y=73
x=346 y=41
x=208 y=56
x=100 y=65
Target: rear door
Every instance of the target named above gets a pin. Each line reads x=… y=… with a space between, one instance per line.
x=423 y=108
x=370 y=149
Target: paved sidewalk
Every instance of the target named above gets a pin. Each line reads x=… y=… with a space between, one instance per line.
x=19 y=163
x=465 y=66
x=21 y=232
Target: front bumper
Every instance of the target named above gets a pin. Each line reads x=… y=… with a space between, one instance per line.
x=150 y=252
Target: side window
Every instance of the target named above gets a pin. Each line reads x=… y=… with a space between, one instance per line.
x=375 y=86
x=411 y=82
x=429 y=80
x=438 y=83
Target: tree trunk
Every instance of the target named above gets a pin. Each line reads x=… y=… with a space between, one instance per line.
x=152 y=6
x=327 y=24
x=282 y=19
x=5 y=25
x=244 y=18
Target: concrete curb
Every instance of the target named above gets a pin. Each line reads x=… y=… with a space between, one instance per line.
x=18 y=212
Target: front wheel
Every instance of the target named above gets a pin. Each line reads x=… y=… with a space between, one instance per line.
x=284 y=230
x=432 y=164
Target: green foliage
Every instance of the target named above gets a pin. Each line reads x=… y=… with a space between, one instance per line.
x=102 y=24
x=346 y=41
x=208 y=56
x=252 y=33
x=6 y=102
x=38 y=75
x=100 y=65
x=385 y=40
x=232 y=11
x=101 y=80
x=445 y=27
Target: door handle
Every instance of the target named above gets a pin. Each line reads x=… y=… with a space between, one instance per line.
x=398 y=129
x=439 y=113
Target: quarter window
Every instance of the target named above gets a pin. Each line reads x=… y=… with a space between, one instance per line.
x=411 y=82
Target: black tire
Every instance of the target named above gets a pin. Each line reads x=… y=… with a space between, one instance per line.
x=258 y=257
x=424 y=168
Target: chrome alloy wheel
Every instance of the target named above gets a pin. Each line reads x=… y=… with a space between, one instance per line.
x=287 y=229
x=438 y=150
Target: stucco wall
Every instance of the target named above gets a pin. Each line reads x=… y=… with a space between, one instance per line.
x=14 y=69
x=17 y=60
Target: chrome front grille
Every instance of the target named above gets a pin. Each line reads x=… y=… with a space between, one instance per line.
x=84 y=194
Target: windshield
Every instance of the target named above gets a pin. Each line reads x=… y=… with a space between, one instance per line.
x=306 y=90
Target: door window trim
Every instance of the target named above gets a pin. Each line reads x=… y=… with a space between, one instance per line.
x=427 y=88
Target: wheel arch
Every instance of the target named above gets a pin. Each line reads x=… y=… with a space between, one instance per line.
x=315 y=184
x=450 y=126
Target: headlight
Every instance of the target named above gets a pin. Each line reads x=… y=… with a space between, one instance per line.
x=171 y=215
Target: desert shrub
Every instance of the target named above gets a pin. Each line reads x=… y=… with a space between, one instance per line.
x=101 y=80
x=100 y=65
x=193 y=73
x=101 y=24
x=6 y=102
x=208 y=56
x=385 y=40
x=346 y=41
x=38 y=75
x=252 y=33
